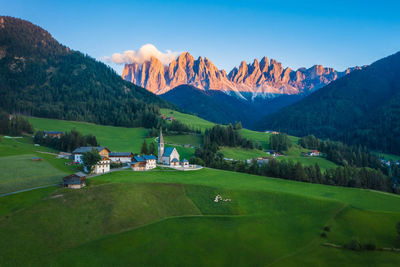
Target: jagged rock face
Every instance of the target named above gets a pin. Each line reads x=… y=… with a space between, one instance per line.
x=263 y=78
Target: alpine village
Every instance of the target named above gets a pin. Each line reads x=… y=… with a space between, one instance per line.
x=118 y=152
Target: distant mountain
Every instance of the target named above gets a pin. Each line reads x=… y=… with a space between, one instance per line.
x=41 y=77
x=216 y=106
x=266 y=78
x=361 y=108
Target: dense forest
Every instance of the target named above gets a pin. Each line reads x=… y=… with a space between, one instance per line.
x=359 y=109
x=40 y=77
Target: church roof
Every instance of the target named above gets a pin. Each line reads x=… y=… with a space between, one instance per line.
x=168 y=151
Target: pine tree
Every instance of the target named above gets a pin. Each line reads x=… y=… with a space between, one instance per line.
x=152 y=148
x=144 y=150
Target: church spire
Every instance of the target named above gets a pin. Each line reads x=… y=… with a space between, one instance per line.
x=160 y=146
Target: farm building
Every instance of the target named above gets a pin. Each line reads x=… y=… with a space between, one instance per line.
x=78 y=153
x=121 y=157
x=75 y=181
x=167 y=156
x=313 y=153
x=53 y=134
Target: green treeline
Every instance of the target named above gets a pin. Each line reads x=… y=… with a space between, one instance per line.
x=14 y=125
x=68 y=141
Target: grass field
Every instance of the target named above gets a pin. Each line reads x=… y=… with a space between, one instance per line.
x=19 y=172
x=115 y=138
x=388 y=156
x=169 y=218
x=238 y=153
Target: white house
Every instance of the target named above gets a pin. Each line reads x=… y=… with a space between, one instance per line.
x=102 y=166
x=78 y=153
x=121 y=157
x=167 y=156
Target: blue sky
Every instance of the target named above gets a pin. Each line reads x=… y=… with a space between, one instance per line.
x=337 y=34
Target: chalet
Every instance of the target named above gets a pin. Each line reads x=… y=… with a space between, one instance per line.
x=138 y=165
x=121 y=157
x=167 y=156
x=37 y=159
x=144 y=163
x=313 y=153
x=171 y=118
x=78 y=153
x=76 y=180
x=53 y=134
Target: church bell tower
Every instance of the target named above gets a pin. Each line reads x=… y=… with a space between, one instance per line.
x=160 y=147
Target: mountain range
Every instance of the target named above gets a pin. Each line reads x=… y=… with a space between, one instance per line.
x=267 y=78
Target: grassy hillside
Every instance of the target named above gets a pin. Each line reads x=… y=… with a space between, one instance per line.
x=19 y=172
x=188 y=119
x=169 y=218
x=116 y=138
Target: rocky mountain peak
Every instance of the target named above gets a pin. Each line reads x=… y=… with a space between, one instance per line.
x=264 y=77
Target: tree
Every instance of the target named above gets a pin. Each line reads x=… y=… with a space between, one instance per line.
x=144 y=150
x=238 y=125
x=398 y=228
x=152 y=148
x=90 y=159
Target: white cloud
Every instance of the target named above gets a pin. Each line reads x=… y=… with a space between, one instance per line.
x=143 y=54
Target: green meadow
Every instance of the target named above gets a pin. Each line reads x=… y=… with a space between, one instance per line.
x=169 y=218
x=116 y=138
x=191 y=120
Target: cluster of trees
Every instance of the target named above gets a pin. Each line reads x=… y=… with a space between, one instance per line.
x=67 y=142
x=90 y=159
x=175 y=127
x=280 y=142
x=219 y=136
x=14 y=125
x=40 y=77
x=148 y=149
x=342 y=154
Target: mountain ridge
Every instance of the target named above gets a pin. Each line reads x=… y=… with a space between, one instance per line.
x=260 y=79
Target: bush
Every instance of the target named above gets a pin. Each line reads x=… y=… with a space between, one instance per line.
x=369 y=246
x=354 y=245
x=327 y=228
x=323 y=234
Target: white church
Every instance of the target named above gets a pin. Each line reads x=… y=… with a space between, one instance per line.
x=167 y=156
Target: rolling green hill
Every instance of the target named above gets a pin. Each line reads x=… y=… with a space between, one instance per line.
x=150 y=218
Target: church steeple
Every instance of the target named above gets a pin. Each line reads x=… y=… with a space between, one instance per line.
x=160 y=147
